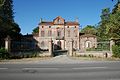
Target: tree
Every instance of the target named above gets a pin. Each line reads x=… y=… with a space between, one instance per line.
x=8 y=9
x=36 y=30
x=7 y=24
x=89 y=30
x=105 y=15
x=113 y=27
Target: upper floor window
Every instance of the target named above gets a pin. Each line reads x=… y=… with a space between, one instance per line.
x=58 y=33
x=68 y=33
x=42 y=33
x=75 y=33
x=49 y=33
x=42 y=26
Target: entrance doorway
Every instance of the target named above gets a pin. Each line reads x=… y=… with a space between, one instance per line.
x=59 y=45
x=88 y=44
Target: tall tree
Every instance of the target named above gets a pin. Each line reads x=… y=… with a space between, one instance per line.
x=7 y=24
x=113 y=27
x=105 y=15
x=8 y=9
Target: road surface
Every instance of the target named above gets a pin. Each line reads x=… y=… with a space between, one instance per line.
x=59 y=69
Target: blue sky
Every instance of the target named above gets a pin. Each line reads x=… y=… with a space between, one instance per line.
x=28 y=12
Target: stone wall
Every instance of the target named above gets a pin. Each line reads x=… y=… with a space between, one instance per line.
x=88 y=41
x=102 y=54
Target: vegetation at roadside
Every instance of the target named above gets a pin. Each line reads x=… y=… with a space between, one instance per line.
x=107 y=28
x=7 y=24
x=4 y=54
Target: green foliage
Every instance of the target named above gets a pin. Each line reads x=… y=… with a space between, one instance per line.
x=89 y=30
x=4 y=54
x=7 y=24
x=116 y=50
x=109 y=26
x=29 y=54
x=113 y=26
x=105 y=15
x=3 y=50
x=36 y=30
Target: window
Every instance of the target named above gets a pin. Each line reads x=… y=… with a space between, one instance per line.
x=49 y=33
x=58 y=33
x=88 y=44
x=42 y=26
x=76 y=44
x=42 y=44
x=75 y=33
x=42 y=33
x=68 y=33
x=67 y=26
x=49 y=26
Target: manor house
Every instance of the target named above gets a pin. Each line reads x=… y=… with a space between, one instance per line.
x=62 y=32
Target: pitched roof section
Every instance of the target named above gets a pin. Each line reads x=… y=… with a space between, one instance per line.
x=71 y=23
x=59 y=21
x=46 y=23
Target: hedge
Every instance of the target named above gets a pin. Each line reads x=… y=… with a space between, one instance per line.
x=116 y=51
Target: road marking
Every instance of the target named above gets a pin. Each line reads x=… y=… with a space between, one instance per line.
x=89 y=68
x=3 y=68
x=40 y=68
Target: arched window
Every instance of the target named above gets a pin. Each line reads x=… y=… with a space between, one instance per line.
x=88 y=44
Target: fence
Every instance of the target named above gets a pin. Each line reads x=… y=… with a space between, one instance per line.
x=101 y=46
x=22 y=46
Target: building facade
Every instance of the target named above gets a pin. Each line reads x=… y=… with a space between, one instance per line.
x=61 y=32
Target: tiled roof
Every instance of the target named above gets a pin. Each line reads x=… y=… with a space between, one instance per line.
x=71 y=23
x=46 y=23
x=66 y=23
x=62 y=22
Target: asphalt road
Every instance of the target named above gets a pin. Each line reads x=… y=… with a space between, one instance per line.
x=85 y=70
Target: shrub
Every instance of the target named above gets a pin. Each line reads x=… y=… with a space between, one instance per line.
x=4 y=54
x=116 y=50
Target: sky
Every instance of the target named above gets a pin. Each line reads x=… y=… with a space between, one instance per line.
x=29 y=12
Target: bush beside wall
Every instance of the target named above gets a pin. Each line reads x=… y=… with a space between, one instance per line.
x=4 y=54
x=116 y=51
